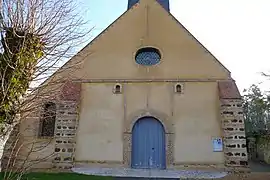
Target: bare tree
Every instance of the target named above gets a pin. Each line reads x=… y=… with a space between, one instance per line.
x=18 y=152
x=37 y=37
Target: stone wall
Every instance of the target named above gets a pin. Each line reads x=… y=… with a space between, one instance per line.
x=233 y=126
x=66 y=126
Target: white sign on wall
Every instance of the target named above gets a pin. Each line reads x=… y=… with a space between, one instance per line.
x=217 y=144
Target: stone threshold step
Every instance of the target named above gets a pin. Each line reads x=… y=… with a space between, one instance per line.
x=152 y=174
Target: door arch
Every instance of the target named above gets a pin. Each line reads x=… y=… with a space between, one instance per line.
x=148 y=144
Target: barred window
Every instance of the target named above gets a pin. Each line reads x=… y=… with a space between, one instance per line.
x=48 y=120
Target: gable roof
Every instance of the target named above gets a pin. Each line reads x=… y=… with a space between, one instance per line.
x=122 y=16
x=228 y=90
x=177 y=21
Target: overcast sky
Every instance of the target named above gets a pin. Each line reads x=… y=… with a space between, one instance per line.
x=237 y=32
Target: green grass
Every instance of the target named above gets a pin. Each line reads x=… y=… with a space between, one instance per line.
x=60 y=176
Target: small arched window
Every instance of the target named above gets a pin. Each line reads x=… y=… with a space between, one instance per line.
x=178 y=88
x=48 y=120
x=117 y=89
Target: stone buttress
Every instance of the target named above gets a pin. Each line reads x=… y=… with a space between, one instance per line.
x=231 y=109
x=66 y=125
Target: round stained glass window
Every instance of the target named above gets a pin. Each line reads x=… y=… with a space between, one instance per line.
x=148 y=56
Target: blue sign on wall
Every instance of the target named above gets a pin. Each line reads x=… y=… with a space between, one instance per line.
x=217 y=144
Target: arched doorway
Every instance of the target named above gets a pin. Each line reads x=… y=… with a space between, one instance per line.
x=148 y=144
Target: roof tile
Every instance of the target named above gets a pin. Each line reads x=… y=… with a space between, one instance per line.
x=228 y=90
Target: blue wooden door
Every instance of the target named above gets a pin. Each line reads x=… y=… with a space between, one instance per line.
x=148 y=144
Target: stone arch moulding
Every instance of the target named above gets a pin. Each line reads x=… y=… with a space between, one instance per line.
x=127 y=134
x=162 y=117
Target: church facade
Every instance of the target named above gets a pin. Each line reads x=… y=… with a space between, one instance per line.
x=146 y=95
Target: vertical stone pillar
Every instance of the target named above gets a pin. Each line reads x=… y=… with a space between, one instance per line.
x=231 y=109
x=66 y=125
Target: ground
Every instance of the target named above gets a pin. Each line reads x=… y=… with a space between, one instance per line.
x=60 y=176
x=260 y=171
x=67 y=176
x=251 y=176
